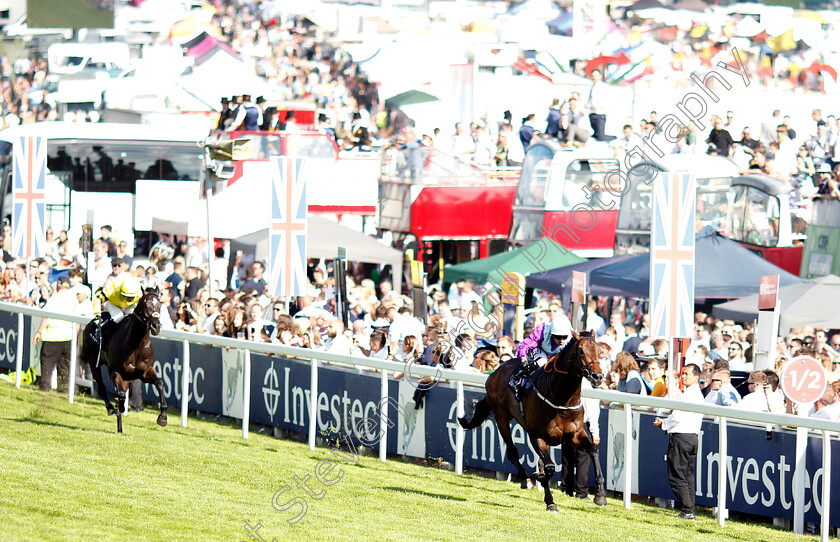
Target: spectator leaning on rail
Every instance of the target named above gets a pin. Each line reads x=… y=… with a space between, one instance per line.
x=119 y=298
x=722 y=392
x=683 y=429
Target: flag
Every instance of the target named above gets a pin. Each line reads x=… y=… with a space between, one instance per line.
x=28 y=205
x=672 y=256
x=287 y=231
x=600 y=61
x=463 y=90
x=782 y=42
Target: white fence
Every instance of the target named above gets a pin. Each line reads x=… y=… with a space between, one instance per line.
x=627 y=401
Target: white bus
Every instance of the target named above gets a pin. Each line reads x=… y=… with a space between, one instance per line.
x=100 y=167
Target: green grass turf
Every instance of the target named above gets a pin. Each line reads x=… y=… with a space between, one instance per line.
x=67 y=475
x=67 y=14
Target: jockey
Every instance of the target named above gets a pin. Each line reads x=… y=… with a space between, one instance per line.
x=119 y=297
x=544 y=342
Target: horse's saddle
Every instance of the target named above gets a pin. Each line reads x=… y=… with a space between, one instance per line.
x=519 y=381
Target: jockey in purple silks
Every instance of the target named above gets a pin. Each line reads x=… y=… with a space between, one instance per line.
x=547 y=340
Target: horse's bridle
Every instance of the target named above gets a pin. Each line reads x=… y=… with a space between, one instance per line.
x=585 y=372
x=147 y=321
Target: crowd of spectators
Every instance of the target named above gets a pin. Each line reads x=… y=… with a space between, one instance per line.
x=455 y=332
x=301 y=65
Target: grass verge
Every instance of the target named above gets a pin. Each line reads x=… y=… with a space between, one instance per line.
x=67 y=475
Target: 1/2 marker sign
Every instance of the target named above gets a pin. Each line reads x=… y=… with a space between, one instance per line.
x=803 y=379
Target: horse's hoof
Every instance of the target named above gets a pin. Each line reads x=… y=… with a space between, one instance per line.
x=112 y=412
x=527 y=483
x=552 y=508
x=601 y=501
x=161 y=421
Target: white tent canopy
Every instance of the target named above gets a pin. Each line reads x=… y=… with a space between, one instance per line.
x=323 y=239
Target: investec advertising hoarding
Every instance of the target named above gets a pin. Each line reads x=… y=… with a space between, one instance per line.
x=8 y=340
x=759 y=472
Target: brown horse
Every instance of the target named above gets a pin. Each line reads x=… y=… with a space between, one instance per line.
x=127 y=353
x=551 y=409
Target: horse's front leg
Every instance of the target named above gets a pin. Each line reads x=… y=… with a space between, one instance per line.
x=122 y=387
x=150 y=377
x=548 y=469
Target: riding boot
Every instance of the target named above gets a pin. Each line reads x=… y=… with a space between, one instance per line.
x=105 y=324
x=96 y=332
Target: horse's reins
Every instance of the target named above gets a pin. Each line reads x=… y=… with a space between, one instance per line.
x=140 y=319
x=554 y=368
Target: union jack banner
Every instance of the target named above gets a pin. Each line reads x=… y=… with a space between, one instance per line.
x=672 y=256
x=28 y=193
x=287 y=233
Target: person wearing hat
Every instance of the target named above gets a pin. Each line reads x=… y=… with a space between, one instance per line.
x=248 y=117
x=55 y=336
x=84 y=302
x=224 y=115
x=826 y=182
x=115 y=301
x=545 y=342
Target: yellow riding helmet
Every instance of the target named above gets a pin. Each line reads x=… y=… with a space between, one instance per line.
x=130 y=288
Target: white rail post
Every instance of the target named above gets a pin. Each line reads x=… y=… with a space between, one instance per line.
x=246 y=393
x=628 y=455
x=71 y=388
x=19 y=356
x=383 y=416
x=185 y=384
x=826 y=486
x=798 y=490
x=459 y=431
x=723 y=464
x=313 y=402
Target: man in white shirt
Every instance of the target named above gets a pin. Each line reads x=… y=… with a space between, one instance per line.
x=786 y=157
x=683 y=429
x=626 y=143
x=378 y=346
x=735 y=355
x=337 y=341
x=829 y=405
x=758 y=399
x=596 y=104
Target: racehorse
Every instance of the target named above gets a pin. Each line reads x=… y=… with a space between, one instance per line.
x=127 y=353
x=551 y=411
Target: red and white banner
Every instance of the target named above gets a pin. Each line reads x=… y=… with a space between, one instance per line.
x=768 y=291
x=578 y=287
x=672 y=255
x=287 y=232
x=29 y=180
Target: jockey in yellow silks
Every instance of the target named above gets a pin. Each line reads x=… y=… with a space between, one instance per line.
x=116 y=300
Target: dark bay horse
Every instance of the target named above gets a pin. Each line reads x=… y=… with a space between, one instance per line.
x=553 y=412
x=127 y=353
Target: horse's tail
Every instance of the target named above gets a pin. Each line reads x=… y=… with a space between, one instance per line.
x=480 y=413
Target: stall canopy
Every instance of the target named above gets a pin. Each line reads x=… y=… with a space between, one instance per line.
x=812 y=302
x=323 y=239
x=723 y=270
x=559 y=281
x=534 y=258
